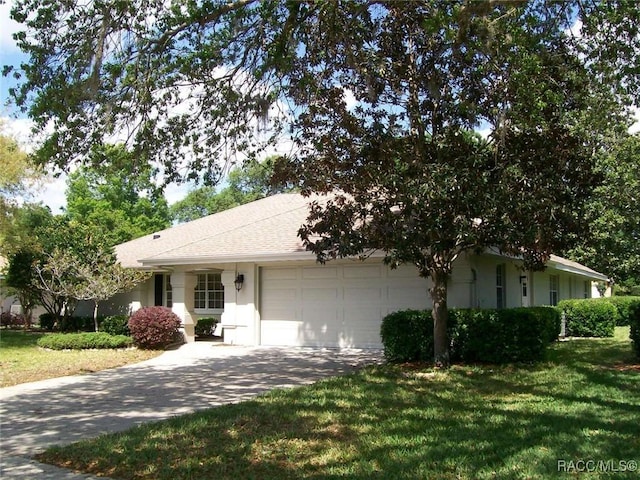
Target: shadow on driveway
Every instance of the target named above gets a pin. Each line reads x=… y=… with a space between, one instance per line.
x=194 y=377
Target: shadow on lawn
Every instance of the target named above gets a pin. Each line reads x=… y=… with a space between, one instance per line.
x=385 y=422
x=69 y=409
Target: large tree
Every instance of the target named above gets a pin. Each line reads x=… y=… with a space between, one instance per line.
x=613 y=245
x=379 y=100
x=115 y=196
x=16 y=173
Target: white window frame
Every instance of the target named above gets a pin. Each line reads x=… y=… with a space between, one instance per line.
x=587 y=289
x=554 y=289
x=168 y=291
x=218 y=307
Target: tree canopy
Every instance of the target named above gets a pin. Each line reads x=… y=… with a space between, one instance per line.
x=379 y=101
x=116 y=197
x=613 y=245
x=251 y=181
x=16 y=171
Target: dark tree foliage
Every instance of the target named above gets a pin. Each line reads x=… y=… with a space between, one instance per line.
x=378 y=99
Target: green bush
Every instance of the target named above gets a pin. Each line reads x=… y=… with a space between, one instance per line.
x=204 y=326
x=622 y=304
x=47 y=321
x=634 y=322
x=552 y=319
x=591 y=317
x=154 y=327
x=86 y=340
x=116 y=325
x=407 y=336
x=502 y=336
x=494 y=336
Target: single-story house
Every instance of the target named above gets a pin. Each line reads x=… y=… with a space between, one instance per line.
x=248 y=267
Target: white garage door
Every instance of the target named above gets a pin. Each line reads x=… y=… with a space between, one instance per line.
x=334 y=305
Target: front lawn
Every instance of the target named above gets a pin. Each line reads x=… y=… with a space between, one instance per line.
x=22 y=361
x=406 y=422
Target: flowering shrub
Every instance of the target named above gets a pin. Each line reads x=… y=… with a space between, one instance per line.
x=12 y=320
x=154 y=327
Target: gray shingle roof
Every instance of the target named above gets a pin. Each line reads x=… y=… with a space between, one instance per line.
x=266 y=227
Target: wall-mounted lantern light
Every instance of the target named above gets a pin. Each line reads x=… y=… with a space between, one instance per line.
x=239 y=281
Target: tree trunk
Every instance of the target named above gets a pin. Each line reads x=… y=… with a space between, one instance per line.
x=95 y=314
x=440 y=316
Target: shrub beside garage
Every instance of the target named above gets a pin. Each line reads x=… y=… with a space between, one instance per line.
x=494 y=336
x=154 y=327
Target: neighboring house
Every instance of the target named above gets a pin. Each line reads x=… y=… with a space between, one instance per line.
x=248 y=267
x=6 y=300
x=9 y=302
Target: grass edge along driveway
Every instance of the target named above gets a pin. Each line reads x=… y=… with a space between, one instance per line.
x=577 y=411
x=22 y=361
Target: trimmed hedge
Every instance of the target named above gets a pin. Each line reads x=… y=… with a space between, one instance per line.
x=494 y=336
x=81 y=341
x=634 y=321
x=408 y=336
x=154 y=327
x=591 y=317
x=505 y=335
x=623 y=305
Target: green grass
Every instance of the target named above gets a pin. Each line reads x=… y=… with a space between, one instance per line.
x=22 y=361
x=401 y=422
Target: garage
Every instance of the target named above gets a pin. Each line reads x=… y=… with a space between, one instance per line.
x=334 y=305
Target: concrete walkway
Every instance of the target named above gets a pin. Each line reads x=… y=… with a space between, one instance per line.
x=196 y=376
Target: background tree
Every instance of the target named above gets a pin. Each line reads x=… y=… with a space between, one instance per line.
x=18 y=278
x=16 y=172
x=613 y=246
x=95 y=277
x=33 y=238
x=246 y=183
x=196 y=84
x=116 y=197
x=21 y=246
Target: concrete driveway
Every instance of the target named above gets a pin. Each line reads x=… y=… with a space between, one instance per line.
x=196 y=376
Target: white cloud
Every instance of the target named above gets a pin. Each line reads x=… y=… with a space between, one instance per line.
x=51 y=192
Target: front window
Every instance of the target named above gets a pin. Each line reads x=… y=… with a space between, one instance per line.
x=168 y=291
x=587 y=289
x=553 y=289
x=209 y=292
x=500 y=286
